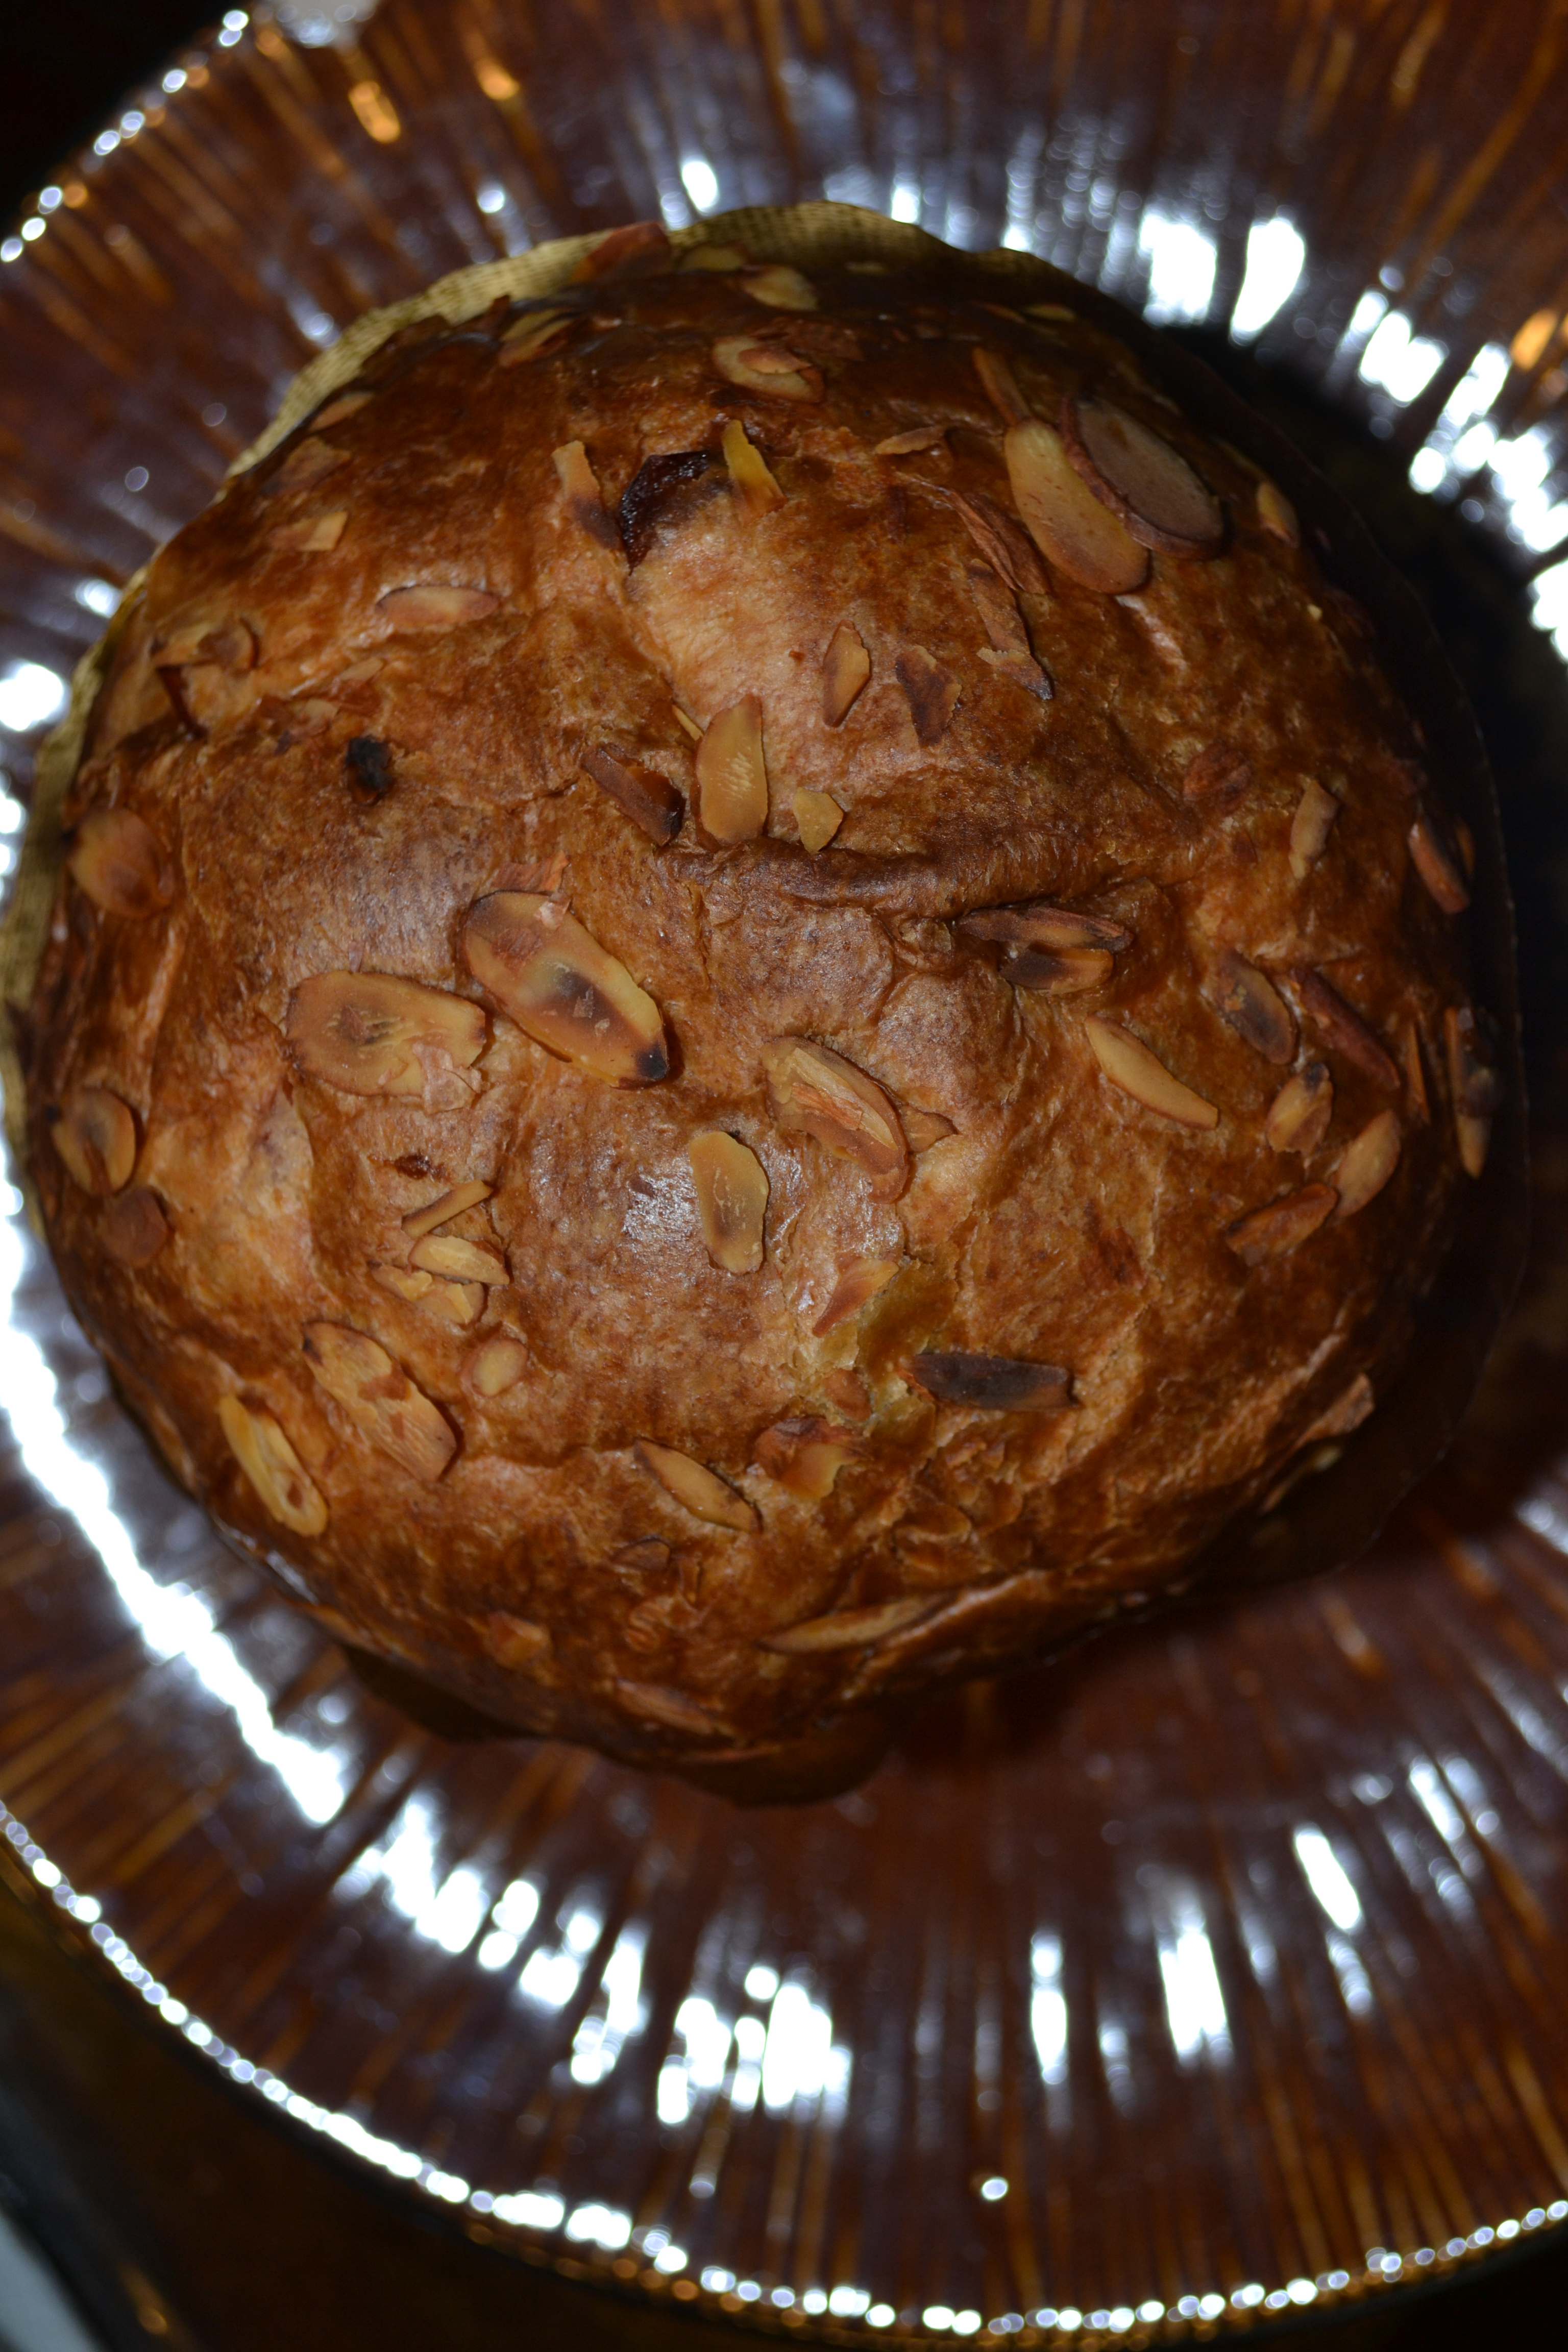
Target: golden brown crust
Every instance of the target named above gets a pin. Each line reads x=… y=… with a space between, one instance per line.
x=1078 y=974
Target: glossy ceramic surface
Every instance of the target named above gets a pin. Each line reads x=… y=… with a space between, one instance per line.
x=1215 y=1977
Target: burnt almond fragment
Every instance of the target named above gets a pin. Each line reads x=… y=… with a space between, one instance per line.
x=1221 y=775
x=1343 y=1027
x=1141 y=479
x=431 y=604
x=766 y=368
x=495 y=1365
x=805 y=1456
x=560 y=986
x=1298 y=1114
x=910 y=444
x=1000 y=385
x=445 y=1206
x=849 y=1629
x=756 y=492
x=458 y=1260
x=780 y=287
x=1437 y=864
x=1061 y=972
x=1130 y=1067
x=367 y=764
x=845 y=666
x=732 y=776
x=515 y=1641
x=1067 y=523
x=732 y=1200
x=314 y=535
x=272 y=1466
x=814 y=1091
x=932 y=691
x=697 y=1488
x=380 y=1398
x=1254 y=1008
x=1004 y=543
x=120 y=864
x=134 y=1227
x=1367 y=1162
x=817 y=817
x=373 y=1032
x=659 y=495
x=1474 y=1087
x=859 y=1280
x=584 y=502
x=1277 y=514
x=95 y=1135
x=1042 y=925
x=1311 y=827
x=1273 y=1231
x=991 y=1383
x=651 y=800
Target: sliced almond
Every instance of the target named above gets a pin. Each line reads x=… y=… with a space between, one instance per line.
x=120 y=864
x=584 y=502
x=849 y=1391
x=766 y=368
x=135 y=1227
x=515 y=1641
x=431 y=604
x=1367 y=1162
x=373 y=1032
x=1041 y=924
x=1221 y=775
x=992 y=1383
x=404 y=1282
x=634 y=250
x=1274 y=1231
x=445 y=1206
x=95 y=1135
x=671 y=1709
x=732 y=1200
x=817 y=816
x=999 y=614
x=495 y=1365
x=725 y=259
x=1300 y=1113
x=686 y=723
x=1438 y=864
x=1343 y=1027
x=222 y=643
x=339 y=411
x=316 y=535
x=458 y=1260
x=309 y=462
x=910 y=444
x=641 y=792
x=1004 y=543
x=1067 y=523
x=1000 y=385
x=780 y=287
x=272 y=1466
x=860 y=1279
x=849 y=1629
x=534 y=332
x=1277 y=514
x=1060 y=971
x=732 y=776
x=845 y=666
x=924 y=1128
x=1355 y=1405
x=560 y=986
x=458 y=1303
x=1414 y=1072
x=756 y=492
x=1141 y=479
x=1311 y=827
x=814 y=1091
x=932 y=691
x=1476 y=1089
x=1254 y=1008
x=805 y=1456
x=697 y=1488
x=1130 y=1065
x=380 y=1398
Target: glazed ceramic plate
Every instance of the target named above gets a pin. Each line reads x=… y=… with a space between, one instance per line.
x=1213 y=1977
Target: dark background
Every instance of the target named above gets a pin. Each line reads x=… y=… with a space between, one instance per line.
x=177 y=2214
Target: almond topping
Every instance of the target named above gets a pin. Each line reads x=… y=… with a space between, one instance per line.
x=584 y=503
x=780 y=287
x=134 y=1227
x=380 y=1398
x=1130 y=1065
x=818 y=817
x=770 y=359
x=309 y=462
x=649 y=799
x=1066 y=523
x=849 y=1391
x=1143 y=479
x=732 y=1200
x=1311 y=827
x=372 y=1033
x=924 y=1128
x=272 y=1466
x=338 y=411
x=445 y=1206
x=686 y=723
x=860 y=1279
x=933 y=692
x=515 y=1641
x=1254 y=1008
x=767 y=368
x=1000 y=385
x=1300 y=1113
x=433 y=605
x=1277 y=514
x=697 y=1488
x=756 y=492
x=845 y=666
x=1222 y=774
x=120 y=864
x=95 y=1135
x=814 y=1091
x=461 y=1303
x=560 y=986
x=1367 y=1162
x=731 y=774
x=804 y=1455
x=1062 y=971
x=1004 y=543
x=670 y=1708
x=1437 y=864
x=849 y=1629
x=1414 y=1072
x=993 y=1383
x=1355 y=1405
x=316 y=535
x=402 y=1281
x=636 y=250
x=1476 y=1089
x=723 y=257
x=533 y=333
x=1274 y=1231
x=495 y=1365
x=458 y=1260
x=908 y=444
x=1009 y=649
x=1038 y=923
x=1342 y=1027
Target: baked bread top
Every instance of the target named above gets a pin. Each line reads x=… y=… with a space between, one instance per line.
x=757 y=999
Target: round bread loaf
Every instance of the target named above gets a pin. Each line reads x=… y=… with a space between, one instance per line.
x=757 y=1000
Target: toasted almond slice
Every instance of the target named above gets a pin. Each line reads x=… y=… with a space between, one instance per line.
x=849 y=1629
x=315 y=535
x=636 y=249
x=999 y=614
x=860 y=1279
x=380 y=1398
x=933 y=692
x=924 y=1128
x=135 y=1227
x=445 y=1206
x=309 y=462
x=805 y=1456
x=671 y=1709
x=1040 y=924
x=301 y=721
x=814 y=1091
x=339 y=411
x=272 y=1466
x=459 y=1261
x=559 y=985
x=756 y=367
x=1062 y=971
x=1221 y=775
x=910 y=444
x=1254 y=1008
x=992 y=1383
x=515 y=1641
x=1367 y=1162
x=461 y=1303
x=686 y=721
x=1437 y=864
x=849 y=1391
x=1311 y=827
x=1277 y=514
x=732 y=776
x=732 y=1200
x=1342 y=1027
x=641 y=792
x=1300 y=1113
x=534 y=332
x=120 y=864
x=698 y=1489
x=770 y=359
x=1004 y=543
x=224 y=643
x=373 y=1032
x=845 y=666
x=495 y=1365
x=1274 y=1231
x=1130 y=1065
x=1000 y=385
x=95 y=1135
x=584 y=502
x=756 y=492
x=1141 y=478
x=1475 y=1088
x=780 y=287
x=1357 y=1403
x=404 y=1282
x=818 y=817
x=1414 y=1072
x=432 y=605
x=1066 y=523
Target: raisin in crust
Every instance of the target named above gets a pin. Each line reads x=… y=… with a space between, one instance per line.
x=757 y=1000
